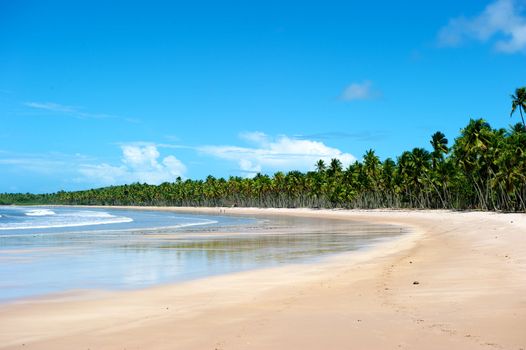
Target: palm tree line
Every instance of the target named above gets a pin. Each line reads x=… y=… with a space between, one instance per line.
x=485 y=168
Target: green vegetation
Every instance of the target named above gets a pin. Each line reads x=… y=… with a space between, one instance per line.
x=484 y=169
x=519 y=101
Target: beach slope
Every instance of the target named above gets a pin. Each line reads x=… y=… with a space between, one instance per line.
x=458 y=282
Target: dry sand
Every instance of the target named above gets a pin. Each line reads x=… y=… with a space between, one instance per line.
x=471 y=294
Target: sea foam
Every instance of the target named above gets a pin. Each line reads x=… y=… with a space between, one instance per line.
x=40 y=212
x=43 y=218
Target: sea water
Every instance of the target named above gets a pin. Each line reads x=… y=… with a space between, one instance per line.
x=22 y=220
x=56 y=249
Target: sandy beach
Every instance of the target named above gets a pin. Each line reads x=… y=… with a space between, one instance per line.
x=457 y=282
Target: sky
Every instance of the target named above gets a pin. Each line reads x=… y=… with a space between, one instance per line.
x=97 y=93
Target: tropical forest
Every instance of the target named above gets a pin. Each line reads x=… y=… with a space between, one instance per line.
x=483 y=168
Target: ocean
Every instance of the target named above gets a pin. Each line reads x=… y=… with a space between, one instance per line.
x=46 y=250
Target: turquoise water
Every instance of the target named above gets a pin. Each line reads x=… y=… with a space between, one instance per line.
x=49 y=250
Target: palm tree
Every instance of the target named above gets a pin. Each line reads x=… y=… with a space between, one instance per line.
x=372 y=164
x=519 y=101
x=473 y=142
x=517 y=128
x=335 y=167
x=472 y=152
x=439 y=143
x=320 y=166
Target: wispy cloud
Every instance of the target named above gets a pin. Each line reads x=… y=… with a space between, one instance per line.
x=50 y=163
x=23 y=172
x=75 y=112
x=359 y=91
x=140 y=162
x=332 y=135
x=278 y=153
x=502 y=22
x=34 y=164
x=255 y=137
x=53 y=107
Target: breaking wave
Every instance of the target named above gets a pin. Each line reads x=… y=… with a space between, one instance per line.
x=24 y=218
x=40 y=212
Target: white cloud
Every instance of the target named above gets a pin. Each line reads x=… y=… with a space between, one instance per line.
x=248 y=167
x=280 y=153
x=103 y=174
x=47 y=163
x=36 y=164
x=74 y=112
x=256 y=137
x=49 y=106
x=358 y=91
x=140 y=157
x=139 y=163
x=501 y=20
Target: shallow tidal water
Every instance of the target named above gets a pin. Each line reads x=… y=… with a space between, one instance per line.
x=50 y=250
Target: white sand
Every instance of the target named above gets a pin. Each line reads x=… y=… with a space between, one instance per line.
x=471 y=269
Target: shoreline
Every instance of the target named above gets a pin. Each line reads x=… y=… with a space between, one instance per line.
x=470 y=269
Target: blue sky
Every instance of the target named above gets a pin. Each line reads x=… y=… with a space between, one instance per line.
x=98 y=93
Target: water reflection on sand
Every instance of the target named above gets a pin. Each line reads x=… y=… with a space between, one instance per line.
x=33 y=265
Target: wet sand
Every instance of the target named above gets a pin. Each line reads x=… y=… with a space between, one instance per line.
x=134 y=256
x=458 y=282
